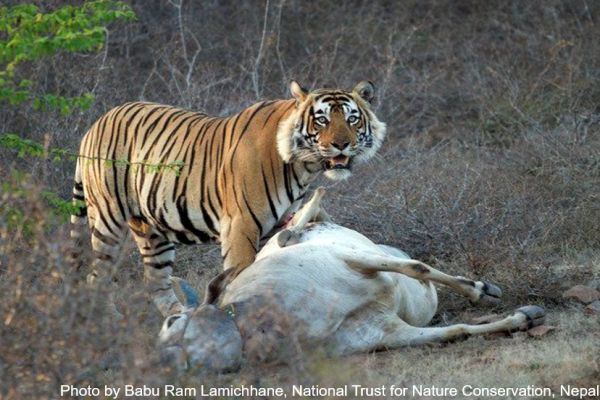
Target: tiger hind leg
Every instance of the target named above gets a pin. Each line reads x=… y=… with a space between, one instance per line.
x=79 y=220
x=106 y=245
x=158 y=255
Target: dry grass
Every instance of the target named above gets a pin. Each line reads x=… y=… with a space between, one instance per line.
x=491 y=170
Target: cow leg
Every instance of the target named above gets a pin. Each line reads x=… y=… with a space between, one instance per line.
x=310 y=212
x=406 y=335
x=368 y=263
x=392 y=332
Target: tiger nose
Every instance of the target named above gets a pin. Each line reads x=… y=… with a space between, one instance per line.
x=340 y=146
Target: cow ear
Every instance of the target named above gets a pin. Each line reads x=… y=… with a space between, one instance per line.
x=298 y=91
x=365 y=90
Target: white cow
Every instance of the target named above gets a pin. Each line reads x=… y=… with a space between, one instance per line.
x=320 y=284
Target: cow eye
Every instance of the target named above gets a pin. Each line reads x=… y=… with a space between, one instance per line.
x=352 y=119
x=322 y=120
x=172 y=320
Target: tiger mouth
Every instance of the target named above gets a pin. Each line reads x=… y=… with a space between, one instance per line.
x=338 y=162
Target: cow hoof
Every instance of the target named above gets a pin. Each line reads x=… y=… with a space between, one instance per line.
x=535 y=315
x=490 y=294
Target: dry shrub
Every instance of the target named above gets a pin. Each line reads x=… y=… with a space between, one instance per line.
x=55 y=329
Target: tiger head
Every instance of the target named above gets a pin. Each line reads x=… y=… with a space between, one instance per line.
x=331 y=127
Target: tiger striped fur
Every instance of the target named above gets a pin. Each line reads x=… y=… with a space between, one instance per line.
x=241 y=176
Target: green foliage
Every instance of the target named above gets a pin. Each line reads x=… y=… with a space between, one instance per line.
x=18 y=195
x=62 y=208
x=64 y=104
x=14 y=216
x=26 y=147
x=26 y=34
x=31 y=148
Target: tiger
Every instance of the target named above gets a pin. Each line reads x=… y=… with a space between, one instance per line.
x=238 y=177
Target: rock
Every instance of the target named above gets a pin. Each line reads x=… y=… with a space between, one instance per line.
x=583 y=294
x=540 y=330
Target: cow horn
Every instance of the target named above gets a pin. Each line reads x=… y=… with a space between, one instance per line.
x=189 y=294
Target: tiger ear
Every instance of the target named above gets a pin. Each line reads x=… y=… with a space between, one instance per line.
x=366 y=90
x=298 y=91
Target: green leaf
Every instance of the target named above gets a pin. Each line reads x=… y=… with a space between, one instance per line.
x=27 y=34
